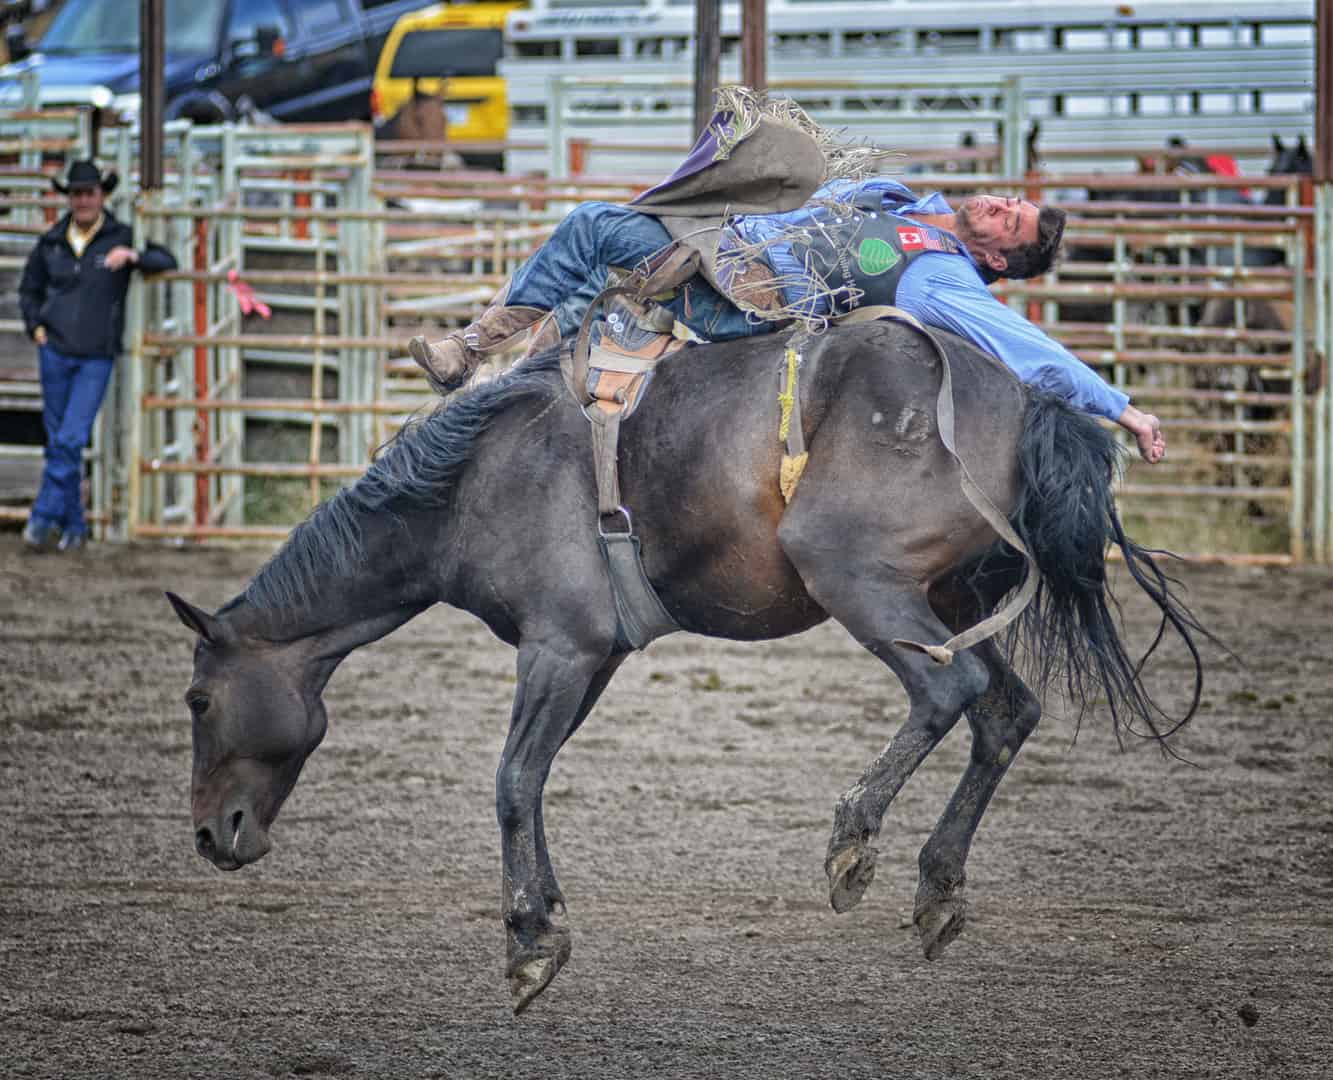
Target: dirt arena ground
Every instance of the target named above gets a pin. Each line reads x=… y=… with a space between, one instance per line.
x=1131 y=916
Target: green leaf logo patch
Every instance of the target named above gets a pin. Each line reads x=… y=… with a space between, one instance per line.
x=876 y=256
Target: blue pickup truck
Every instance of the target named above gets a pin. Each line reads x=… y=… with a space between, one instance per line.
x=296 y=60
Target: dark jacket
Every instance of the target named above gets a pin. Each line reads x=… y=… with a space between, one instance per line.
x=79 y=301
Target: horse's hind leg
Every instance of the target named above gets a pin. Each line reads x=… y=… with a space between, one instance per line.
x=938 y=696
x=555 y=693
x=1001 y=719
x=878 y=605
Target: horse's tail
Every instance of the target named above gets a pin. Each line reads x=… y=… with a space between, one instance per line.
x=1066 y=515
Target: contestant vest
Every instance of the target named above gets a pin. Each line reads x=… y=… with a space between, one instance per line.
x=859 y=252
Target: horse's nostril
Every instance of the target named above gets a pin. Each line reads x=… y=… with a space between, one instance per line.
x=203 y=842
x=236 y=819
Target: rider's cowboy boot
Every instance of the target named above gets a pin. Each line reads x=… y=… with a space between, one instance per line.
x=449 y=362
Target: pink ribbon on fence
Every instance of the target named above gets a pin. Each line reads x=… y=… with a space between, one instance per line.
x=245 y=296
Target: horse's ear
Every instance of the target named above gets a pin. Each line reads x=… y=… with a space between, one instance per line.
x=1300 y=145
x=198 y=620
x=1277 y=143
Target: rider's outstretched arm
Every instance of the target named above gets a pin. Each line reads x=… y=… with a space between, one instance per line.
x=946 y=292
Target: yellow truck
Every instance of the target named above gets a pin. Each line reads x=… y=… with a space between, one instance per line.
x=446 y=57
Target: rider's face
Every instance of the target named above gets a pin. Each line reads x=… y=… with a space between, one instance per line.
x=993 y=225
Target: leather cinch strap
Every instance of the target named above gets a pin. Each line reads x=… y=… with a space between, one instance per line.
x=640 y=616
x=994 y=623
x=605 y=423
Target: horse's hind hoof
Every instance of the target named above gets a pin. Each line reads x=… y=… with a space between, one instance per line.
x=850 y=873
x=938 y=922
x=530 y=977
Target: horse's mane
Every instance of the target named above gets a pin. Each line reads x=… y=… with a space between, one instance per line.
x=417 y=467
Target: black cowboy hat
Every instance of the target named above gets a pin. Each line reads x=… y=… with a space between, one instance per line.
x=83 y=175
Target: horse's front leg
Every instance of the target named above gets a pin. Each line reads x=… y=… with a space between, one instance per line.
x=555 y=693
x=544 y=867
x=1001 y=720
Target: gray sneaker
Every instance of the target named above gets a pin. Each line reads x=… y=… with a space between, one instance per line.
x=72 y=542
x=38 y=537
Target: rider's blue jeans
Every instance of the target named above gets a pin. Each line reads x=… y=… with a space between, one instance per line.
x=568 y=271
x=72 y=392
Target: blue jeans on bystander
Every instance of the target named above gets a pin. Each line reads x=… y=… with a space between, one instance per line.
x=72 y=391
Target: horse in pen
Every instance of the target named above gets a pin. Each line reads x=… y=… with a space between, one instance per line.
x=490 y=504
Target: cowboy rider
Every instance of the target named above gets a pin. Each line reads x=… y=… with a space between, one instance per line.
x=871 y=241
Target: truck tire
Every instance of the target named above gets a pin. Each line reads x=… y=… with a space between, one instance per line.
x=204 y=107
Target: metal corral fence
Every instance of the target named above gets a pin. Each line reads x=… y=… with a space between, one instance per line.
x=1214 y=325
x=1191 y=307
x=255 y=201
x=578 y=122
x=1213 y=313
x=241 y=423
x=1323 y=361
x=1100 y=77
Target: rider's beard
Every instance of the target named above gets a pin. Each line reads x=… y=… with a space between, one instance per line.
x=962 y=221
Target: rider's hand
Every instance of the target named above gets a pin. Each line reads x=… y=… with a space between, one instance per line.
x=39 y=335
x=1147 y=432
x=1152 y=445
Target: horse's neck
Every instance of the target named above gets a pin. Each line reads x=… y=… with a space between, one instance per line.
x=353 y=604
x=324 y=635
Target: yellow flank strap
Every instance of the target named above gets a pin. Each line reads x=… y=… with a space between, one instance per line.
x=788 y=396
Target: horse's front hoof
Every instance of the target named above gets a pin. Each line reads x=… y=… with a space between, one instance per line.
x=938 y=922
x=530 y=975
x=850 y=873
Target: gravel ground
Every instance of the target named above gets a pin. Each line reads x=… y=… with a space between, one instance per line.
x=1131 y=915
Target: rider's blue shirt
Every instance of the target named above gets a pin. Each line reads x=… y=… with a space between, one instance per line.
x=946 y=291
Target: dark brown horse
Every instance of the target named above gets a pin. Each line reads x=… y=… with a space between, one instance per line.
x=489 y=504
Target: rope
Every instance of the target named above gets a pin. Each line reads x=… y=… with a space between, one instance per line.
x=787 y=398
x=795 y=456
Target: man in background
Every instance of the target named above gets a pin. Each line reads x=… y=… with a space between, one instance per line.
x=72 y=296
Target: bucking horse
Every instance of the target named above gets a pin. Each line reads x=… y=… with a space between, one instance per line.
x=490 y=504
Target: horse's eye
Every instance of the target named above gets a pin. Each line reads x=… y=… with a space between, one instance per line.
x=198 y=704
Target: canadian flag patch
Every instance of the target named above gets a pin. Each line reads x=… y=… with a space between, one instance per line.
x=911 y=239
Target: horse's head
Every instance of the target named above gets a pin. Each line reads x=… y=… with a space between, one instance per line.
x=255 y=720
x=1290 y=159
